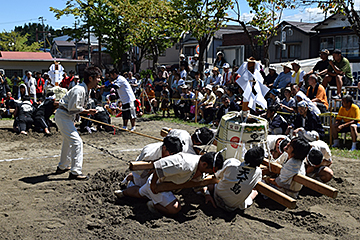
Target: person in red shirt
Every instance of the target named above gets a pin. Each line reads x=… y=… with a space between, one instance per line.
x=67 y=79
x=40 y=83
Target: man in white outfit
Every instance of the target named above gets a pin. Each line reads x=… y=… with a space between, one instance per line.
x=127 y=98
x=73 y=103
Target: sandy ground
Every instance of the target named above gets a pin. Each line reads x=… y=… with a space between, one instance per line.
x=35 y=204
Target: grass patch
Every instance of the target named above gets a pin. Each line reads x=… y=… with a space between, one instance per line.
x=158 y=117
x=345 y=153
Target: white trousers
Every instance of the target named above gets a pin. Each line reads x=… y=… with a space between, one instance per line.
x=72 y=145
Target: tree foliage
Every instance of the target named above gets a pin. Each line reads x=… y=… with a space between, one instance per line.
x=99 y=17
x=31 y=28
x=345 y=7
x=14 y=41
x=267 y=15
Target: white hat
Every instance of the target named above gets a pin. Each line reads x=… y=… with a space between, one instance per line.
x=226 y=65
x=184 y=86
x=181 y=82
x=162 y=66
x=182 y=55
x=288 y=65
x=296 y=62
x=220 y=90
x=210 y=87
x=196 y=55
x=218 y=53
x=272 y=68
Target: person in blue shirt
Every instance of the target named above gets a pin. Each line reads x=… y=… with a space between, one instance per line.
x=284 y=78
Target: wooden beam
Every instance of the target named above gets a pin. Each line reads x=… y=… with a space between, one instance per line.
x=276 y=195
x=305 y=180
x=140 y=165
x=169 y=186
x=265 y=189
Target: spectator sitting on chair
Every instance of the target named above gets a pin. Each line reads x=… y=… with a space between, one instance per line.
x=321 y=65
x=341 y=125
x=227 y=106
x=298 y=75
x=307 y=124
x=338 y=73
x=284 y=78
x=270 y=78
x=277 y=123
x=317 y=94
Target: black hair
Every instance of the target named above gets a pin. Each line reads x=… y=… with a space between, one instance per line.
x=91 y=72
x=202 y=135
x=50 y=93
x=274 y=107
x=254 y=156
x=209 y=159
x=114 y=71
x=283 y=144
x=172 y=144
x=223 y=97
x=197 y=73
x=348 y=98
x=71 y=72
x=315 y=156
x=301 y=147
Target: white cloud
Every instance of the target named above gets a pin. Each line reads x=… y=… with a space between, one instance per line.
x=246 y=17
x=306 y=15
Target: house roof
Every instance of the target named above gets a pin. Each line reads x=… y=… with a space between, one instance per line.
x=25 y=56
x=32 y=57
x=302 y=26
x=334 y=21
x=65 y=43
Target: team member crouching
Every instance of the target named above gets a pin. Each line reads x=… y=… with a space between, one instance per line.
x=178 y=169
x=297 y=150
x=151 y=153
x=237 y=180
x=318 y=162
x=73 y=103
x=201 y=136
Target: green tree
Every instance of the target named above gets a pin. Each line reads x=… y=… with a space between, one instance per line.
x=146 y=31
x=200 y=18
x=345 y=7
x=34 y=28
x=14 y=41
x=99 y=17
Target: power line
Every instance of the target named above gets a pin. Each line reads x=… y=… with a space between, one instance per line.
x=32 y=19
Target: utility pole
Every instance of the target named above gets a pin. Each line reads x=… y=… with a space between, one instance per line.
x=42 y=21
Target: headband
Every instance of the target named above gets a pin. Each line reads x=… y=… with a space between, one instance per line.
x=197 y=132
x=216 y=154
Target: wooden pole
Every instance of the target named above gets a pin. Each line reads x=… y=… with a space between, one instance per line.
x=141 y=165
x=196 y=105
x=265 y=189
x=276 y=195
x=306 y=181
x=142 y=100
x=331 y=126
x=169 y=186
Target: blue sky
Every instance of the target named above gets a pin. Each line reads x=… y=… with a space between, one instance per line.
x=18 y=12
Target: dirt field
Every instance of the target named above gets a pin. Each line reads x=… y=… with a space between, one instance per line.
x=34 y=204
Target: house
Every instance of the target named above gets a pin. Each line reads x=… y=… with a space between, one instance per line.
x=188 y=46
x=63 y=47
x=294 y=40
x=34 y=61
x=236 y=46
x=335 y=33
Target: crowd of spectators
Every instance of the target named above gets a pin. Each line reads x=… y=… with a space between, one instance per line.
x=295 y=97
